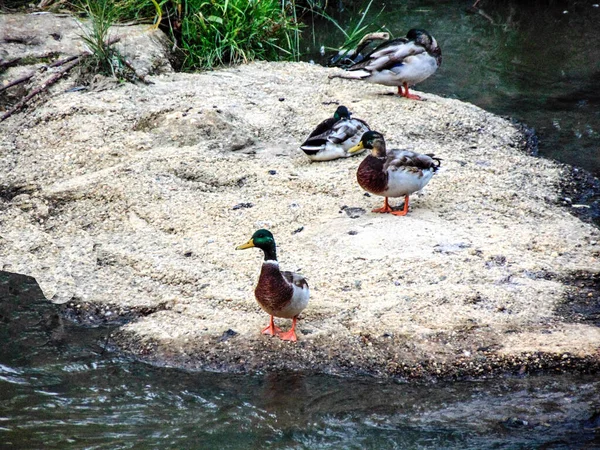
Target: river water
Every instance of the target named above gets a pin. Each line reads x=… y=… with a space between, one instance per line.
x=59 y=388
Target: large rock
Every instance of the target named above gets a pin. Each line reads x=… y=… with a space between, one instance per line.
x=123 y=200
x=40 y=38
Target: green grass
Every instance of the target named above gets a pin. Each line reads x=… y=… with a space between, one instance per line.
x=105 y=59
x=357 y=29
x=236 y=31
x=213 y=32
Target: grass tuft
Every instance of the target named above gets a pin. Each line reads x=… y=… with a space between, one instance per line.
x=208 y=32
x=355 y=31
x=105 y=59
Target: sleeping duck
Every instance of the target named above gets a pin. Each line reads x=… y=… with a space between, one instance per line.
x=280 y=294
x=392 y=173
x=400 y=62
x=334 y=136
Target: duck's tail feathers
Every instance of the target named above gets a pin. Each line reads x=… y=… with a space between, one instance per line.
x=353 y=75
x=437 y=160
x=313 y=146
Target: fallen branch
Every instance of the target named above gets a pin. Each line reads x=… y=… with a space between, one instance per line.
x=67 y=63
x=17 y=81
x=7 y=64
x=28 y=77
x=66 y=60
x=53 y=79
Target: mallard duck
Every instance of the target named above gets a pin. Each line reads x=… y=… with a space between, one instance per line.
x=280 y=294
x=334 y=136
x=400 y=62
x=392 y=173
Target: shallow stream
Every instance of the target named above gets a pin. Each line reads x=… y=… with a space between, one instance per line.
x=59 y=389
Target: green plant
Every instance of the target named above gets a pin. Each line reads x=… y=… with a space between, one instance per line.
x=208 y=32
x=355 y=31
x=104 y=58
x=233 y=31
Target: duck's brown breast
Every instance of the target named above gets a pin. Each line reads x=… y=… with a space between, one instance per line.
x=272 y=292
x=370 y=175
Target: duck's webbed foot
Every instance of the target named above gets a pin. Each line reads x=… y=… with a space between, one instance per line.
x=385 y=209
x=289 y=335
x=408 y=95
x=404 y=210
x=271 y=330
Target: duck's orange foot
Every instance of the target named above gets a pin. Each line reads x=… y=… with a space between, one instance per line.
x=413 y=97
x=406 y=94
x=288 y=336
x=385 y=209
x=271 y=330
x=388 y=209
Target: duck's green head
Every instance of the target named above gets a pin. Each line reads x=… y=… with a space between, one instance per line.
x=341 y=113
x=264 y=240
x=372 y=140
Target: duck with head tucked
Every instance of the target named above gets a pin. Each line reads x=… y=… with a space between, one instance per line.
x=392 y=173
x=399 y=62
x=280 y=294
x=334 y=136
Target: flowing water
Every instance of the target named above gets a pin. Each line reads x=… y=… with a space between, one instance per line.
x=59 y=389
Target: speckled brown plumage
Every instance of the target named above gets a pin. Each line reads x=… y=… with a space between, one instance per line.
x=296 y=279
x=371 y=176
x=273 y=292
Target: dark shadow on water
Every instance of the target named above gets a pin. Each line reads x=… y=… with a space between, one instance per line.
x=58 y=389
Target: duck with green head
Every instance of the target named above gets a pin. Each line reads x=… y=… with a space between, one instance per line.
x=392 y=173
x=333 y=137
x=280 y=294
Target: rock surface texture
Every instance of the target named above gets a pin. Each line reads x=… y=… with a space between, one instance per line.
x=122 y=203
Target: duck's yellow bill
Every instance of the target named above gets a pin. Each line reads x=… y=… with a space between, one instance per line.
x=248 y=244
x=357 y=148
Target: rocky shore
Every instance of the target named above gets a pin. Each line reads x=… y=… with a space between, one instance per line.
x=126 y=203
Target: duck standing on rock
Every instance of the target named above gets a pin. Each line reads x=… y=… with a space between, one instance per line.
x=334 y=136
x=280 y=294
x=399 y=62
x=392 y=173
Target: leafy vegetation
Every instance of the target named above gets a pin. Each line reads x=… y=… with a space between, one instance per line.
x=215 y=32
x=234 y=31
x=208 y=33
